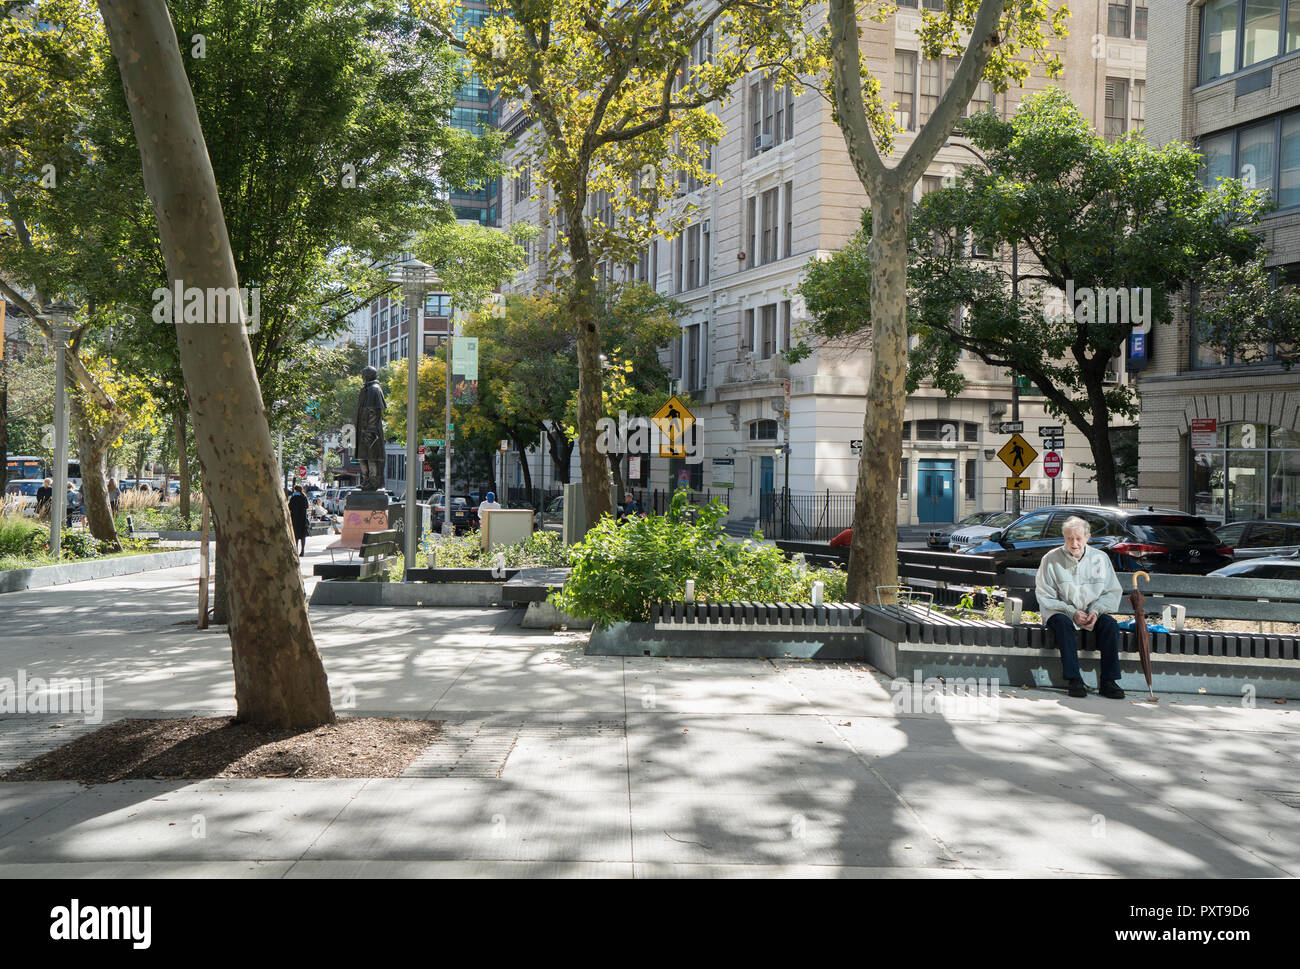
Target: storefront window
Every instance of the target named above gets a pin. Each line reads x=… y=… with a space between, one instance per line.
x=1252 y=473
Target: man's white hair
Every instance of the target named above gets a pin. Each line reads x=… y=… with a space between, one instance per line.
x=1075 y=522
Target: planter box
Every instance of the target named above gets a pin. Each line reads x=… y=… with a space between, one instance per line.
x=342 y=592
x=17 y=580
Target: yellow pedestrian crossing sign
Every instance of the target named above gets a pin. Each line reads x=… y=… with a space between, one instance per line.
x=1017 y=484
x=1017 y=454
x=673 y=421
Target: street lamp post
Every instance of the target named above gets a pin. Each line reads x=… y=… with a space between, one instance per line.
x=416 y=278
x=59 y=315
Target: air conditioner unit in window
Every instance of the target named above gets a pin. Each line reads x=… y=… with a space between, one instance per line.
x=704 y=227
x=762 y=142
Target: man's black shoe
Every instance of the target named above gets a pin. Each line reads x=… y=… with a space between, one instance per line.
x=1110 y=689
x=1076 y=688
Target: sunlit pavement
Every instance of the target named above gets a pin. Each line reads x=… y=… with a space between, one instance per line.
x=557 y=763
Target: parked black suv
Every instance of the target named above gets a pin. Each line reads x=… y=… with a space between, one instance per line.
x=1135 y=539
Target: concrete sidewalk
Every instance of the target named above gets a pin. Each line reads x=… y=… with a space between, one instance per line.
x=556 y=763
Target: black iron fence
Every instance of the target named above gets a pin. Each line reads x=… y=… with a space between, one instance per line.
x=1029 y=501
x=808 y=516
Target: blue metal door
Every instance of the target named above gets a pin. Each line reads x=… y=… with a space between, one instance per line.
x=934 y=491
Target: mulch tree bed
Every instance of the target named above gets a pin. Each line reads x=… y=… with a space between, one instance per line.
x=201 y=747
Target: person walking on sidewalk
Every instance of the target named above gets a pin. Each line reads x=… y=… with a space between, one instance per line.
x=1077 y=589
x=298 y=515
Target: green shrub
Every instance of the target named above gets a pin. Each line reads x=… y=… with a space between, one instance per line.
x=619 y=571
x=78 y=545
x=465 y=552
x=21 y=536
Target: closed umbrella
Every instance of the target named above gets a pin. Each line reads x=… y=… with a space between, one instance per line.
x=1143 y=636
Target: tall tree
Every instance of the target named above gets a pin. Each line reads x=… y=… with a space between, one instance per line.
x=1115 y=227
x=279 y=677
x=619 y=94
x=997 y=40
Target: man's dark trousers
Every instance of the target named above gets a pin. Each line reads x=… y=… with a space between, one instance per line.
x=1107 y=636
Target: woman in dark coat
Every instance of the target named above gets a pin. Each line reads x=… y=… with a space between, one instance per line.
x=298 y=515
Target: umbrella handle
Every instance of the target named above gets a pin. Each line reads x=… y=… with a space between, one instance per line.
x=1135 y=578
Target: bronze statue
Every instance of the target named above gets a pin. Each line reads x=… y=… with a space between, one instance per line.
x=370 y=431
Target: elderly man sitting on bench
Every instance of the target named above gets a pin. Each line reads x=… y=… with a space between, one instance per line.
x=1077 y=589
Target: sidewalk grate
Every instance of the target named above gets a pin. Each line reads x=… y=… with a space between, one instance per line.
x=26 y=736
x=467 y=749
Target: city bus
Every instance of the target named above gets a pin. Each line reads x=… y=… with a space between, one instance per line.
x=25 y=467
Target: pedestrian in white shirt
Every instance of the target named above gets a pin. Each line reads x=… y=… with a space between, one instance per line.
x=1077 y=589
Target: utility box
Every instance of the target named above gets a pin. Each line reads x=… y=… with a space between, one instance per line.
x=505 y=526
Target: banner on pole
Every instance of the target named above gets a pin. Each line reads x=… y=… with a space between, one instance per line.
x=464 y=370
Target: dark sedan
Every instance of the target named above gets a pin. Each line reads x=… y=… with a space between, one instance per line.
x=1256 y=539
x=1269 y=567
x=1135 y=539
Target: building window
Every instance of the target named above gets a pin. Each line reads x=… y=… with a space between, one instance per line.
x=785 y=325
x=1139 y=105
x=1116 y=108
x=905 y=88
x=768 y=317
x=693 y=257
x=970 y=479
x=1117 y=20
x=1205 y=356
x=931 y=87
x=937 y=430
x=970 y=432
x=788 y=235
x=1252 y=473
x=523 y=184
x=1218 y=39
x=750 y=208
x=747 y=332
x=762 y=431
x=902 y=479
x=1140 y=20
x=768 y=240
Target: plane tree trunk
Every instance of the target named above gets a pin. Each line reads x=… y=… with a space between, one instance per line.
x=279 y=677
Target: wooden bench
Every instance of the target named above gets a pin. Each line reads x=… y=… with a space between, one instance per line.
x=131 y=531
x=460 y=575
x=534 y=584
x=377 y=550
x=816 y=553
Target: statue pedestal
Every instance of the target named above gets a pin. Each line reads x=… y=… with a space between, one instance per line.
x=370 y=511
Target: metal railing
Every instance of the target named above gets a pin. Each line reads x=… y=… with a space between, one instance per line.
x=809 y=516
x=1029 y=501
